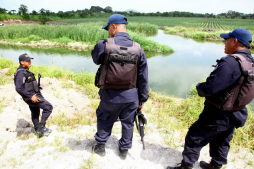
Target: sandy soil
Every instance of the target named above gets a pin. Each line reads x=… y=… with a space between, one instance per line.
x=71 y=148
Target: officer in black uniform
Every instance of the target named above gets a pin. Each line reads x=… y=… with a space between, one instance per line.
x=122 y=103
x=27 y=86
x=214 y=125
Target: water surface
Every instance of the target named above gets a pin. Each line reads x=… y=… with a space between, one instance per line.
x=171 y=74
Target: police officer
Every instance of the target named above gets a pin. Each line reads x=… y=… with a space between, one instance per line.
x=116 y=101
x=216 y=126
x=26 y=85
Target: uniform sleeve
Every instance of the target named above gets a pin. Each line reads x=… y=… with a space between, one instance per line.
x=20 y=86
x=142 y=79
x=98 y=52
x=222 y=77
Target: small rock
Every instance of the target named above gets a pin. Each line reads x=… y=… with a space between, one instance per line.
x=22 y=123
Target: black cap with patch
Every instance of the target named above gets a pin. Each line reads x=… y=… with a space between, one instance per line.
x=24 y=57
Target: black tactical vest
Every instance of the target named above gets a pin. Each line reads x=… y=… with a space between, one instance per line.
x=119 y=67
x=237 y=96
x=30 y=81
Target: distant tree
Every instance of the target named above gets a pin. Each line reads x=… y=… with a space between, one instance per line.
x=2 y=10
x=60 y=14
x=84 y=13
x=9 y=13
x=108 y=9
x=23 y=10
x=34 y=12
x=96 y=9
x=42 y=11
x=13 y=11
x=48 y=12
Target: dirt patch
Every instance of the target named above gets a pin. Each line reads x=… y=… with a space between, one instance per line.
x=71 y=148
x=209 y=30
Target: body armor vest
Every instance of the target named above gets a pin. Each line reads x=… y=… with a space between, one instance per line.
x=237 y=96
x=119 y=67
x=30 y=81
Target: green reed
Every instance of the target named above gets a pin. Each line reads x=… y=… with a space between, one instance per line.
x=89 y=33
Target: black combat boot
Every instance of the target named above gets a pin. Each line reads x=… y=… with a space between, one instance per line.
x=42 y=129
x=123 y=153
x=211 y=165
x=35 y=129
x=181 y=166
x=99 y=149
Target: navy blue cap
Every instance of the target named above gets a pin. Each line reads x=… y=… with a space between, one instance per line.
x=116 y=18
x=241 y=34
x=24 y=57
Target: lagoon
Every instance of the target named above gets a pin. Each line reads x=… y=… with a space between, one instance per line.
x=172 y=74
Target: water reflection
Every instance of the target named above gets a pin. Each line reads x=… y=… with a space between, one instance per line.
x=190 y=63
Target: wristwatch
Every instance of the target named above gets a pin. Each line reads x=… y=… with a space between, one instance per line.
x=141 y=104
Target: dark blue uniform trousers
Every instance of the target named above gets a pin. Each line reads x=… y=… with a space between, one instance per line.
x=200 y=134
x=35 y=110
x=107 y=114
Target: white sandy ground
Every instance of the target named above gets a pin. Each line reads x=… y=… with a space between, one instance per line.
x=72 y=148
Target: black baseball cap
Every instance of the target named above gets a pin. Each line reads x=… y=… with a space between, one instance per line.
x=116 y=18
x=24 y=57
x=241 y=34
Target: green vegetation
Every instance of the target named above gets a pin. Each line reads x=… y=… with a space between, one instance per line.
x=198 y=33
x=203 y=23
x=31 y=17
x=169 y=114
x=89 y=33
x=8 y=16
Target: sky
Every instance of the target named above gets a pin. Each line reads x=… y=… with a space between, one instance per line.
x=195 y=6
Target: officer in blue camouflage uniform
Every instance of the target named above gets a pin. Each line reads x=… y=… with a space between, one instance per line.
x=215 y=126
x=22 y=78
x=121 y=103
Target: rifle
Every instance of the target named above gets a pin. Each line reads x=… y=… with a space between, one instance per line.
x=140 y=125
x=39 y=82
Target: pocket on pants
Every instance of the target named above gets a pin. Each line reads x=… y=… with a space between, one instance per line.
x=102 y=115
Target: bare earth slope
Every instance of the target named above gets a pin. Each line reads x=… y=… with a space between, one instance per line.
x=71 y=148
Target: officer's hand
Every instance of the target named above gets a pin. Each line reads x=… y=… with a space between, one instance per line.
x=35 y=99
x=140 y=107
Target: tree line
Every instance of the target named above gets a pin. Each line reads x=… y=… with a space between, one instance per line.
x=44 y=13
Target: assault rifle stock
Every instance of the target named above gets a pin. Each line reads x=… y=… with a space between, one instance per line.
x=140 y=121
x=39 y=82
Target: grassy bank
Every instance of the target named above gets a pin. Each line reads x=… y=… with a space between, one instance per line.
x=89 y=33
x=169 y=114
x=31 y=17
x=198 y=33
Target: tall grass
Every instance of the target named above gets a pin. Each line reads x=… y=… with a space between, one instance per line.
x=89 y=33
x=142 y=28
x=161 y=111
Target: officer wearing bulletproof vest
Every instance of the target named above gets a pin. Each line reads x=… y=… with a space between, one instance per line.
x=27 y=86
x=216 y=125
x=123 y=82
